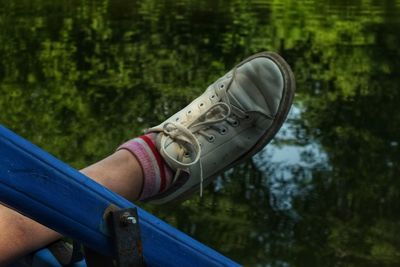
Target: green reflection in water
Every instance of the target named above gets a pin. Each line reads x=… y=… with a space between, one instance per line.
x=79 y=77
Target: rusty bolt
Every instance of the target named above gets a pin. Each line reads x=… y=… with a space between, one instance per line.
x=127 y=219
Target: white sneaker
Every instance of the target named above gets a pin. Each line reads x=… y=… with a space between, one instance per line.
x=232 y=120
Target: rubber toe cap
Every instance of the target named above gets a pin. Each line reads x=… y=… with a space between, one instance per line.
x=258 y=86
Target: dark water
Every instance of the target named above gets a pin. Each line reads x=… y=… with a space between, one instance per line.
x=79 y=77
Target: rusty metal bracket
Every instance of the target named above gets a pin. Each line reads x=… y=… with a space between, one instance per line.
x=127 y=242
x=124 y=227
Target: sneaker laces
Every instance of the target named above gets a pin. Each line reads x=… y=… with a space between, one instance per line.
x=185 y=136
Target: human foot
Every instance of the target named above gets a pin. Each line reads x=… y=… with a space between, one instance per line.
x=232 y=120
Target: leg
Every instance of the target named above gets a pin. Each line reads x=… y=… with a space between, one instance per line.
x=20 y=235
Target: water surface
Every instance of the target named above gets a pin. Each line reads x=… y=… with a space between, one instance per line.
x=80 y=77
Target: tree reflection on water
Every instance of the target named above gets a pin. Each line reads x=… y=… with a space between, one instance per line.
x=79 y=77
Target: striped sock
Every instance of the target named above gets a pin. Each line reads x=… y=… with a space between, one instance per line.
x=157 y=176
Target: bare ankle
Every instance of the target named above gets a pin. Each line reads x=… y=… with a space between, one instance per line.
x=119 y=172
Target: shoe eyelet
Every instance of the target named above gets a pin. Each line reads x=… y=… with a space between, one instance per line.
x=212 y=97
x=177 y=119
x=187 y=155
x=211 y=138
x=201 y=105
x=189 y=111
x=247 y=117
x=223 y=131
x=222 y=85
x=235 y=123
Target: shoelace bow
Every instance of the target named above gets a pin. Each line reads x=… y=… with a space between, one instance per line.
x=185 y=134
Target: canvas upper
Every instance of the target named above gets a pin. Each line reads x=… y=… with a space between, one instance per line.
x=234 y=118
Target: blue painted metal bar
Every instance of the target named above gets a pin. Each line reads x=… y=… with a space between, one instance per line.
x=58 y=196
x=44 y=258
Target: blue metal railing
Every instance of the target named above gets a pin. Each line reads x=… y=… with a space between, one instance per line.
x=59 y=197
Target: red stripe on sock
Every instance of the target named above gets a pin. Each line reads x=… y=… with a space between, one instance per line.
x=160 y=161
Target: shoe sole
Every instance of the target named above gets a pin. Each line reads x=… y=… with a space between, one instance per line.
x=283 y=110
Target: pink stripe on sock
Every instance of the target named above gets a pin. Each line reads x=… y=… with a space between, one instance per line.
x=159 y=159
x=146 y=162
